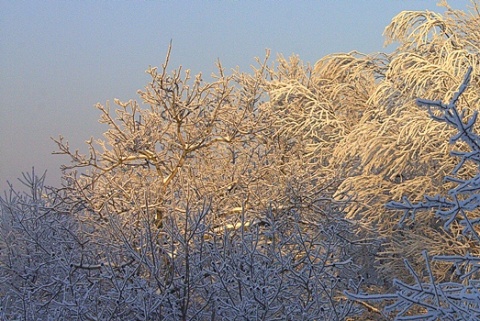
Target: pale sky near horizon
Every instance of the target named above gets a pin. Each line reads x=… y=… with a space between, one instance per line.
x=59 y=58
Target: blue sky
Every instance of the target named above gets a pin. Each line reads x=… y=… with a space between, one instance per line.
x=59 y=58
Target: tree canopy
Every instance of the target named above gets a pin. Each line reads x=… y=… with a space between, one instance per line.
x=261 y=194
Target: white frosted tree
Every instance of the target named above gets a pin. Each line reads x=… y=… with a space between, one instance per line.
x=41 y=248
x=56 y=264
x=428 y=298
x=201 y=203
x=199 y=193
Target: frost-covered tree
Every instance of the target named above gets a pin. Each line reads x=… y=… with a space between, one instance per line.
x=41 y=249
x=428 y=298
x=395 y=148
x=202 y=191
x=201 y=203
x=227 y=140
x=56 y=263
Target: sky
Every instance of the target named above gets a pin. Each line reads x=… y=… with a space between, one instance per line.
x=59 y=58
